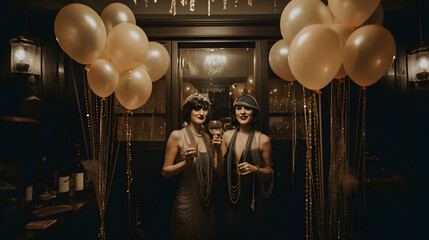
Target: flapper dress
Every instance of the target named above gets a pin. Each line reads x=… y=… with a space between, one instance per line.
x=193 y=212
x=245 y=214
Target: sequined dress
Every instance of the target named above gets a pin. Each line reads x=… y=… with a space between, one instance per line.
x=193 y=212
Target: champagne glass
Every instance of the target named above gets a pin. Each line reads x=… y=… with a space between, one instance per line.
x=189 y=144
x=215 y=127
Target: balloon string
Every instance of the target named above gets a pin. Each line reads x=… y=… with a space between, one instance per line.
x=79 y=109
x=364 y=177
x=321 y=183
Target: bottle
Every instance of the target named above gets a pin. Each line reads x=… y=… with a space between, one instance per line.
x=27 y=186
x=63 y=184
x=40 y=181
x=28 y=193
x=28 y=198
x=78 y=171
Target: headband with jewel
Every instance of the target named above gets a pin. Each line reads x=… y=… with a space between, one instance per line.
x=198 y=96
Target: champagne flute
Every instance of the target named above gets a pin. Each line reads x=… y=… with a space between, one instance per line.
x=215 y=127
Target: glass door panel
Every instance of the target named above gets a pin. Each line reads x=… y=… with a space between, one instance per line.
x=282 y=97
x=149 y=122
x=221 y=72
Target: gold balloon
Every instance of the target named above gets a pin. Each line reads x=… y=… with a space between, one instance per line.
x=157 y=61
x=80 y=32
x=134 y=88
x=343 y=32
x=279 y=62
x=301 y=13
x=352 y=12
x=368 y=53
x=251 y=82
x=102 y=77
x=315 y=56
x=105 y=54
x=116 y=13
x=187 y=90
x=376 y=17
x=127 y=46
x=239 y=89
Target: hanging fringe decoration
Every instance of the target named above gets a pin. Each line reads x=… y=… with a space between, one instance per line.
x=294 y=132
x=363 y=155
x=308 y=171
x=128 y=122
x=101 y=129
x=341 y=179
x=314 y=183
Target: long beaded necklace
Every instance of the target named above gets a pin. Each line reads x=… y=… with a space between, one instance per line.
x=203 y=168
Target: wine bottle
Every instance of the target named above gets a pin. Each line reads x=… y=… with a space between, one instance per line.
x=63 y=184
x=40 y=181
x=78 y=170
x=27 y=186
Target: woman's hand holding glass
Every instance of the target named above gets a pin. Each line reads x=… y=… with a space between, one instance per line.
x=216 y=129
x=191 y=153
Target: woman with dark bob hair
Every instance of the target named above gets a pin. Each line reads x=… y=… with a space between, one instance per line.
x=190 y=152
x=248 y=164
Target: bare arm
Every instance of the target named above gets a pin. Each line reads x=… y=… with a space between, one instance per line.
x=172 y=149
x=265 y=146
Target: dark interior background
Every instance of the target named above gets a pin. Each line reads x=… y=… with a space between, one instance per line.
x=397 y=132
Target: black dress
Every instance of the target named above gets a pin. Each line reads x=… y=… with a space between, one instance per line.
x=245 y=213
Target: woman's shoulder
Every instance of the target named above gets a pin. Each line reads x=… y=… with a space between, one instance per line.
x=263 y=138
x=228 y=133
x=176 y=135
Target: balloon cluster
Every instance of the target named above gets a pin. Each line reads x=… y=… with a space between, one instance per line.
x=119 y=55
x=324 y=42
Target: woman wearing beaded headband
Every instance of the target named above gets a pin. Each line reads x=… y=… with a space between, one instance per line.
x=248 y=159
x=190 y=154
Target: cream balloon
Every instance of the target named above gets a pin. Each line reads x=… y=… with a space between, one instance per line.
x=315 y=56
x=279 y=62
x=353 y=12
x=251 y=82
x=80 y=32
x=301 y=13
x=334 y=19
x=134 y=88
x=240 y=89
x=376 y=17
x=127 y=45
x=105 y=54
x=187 y=90
x=102 y=77
x=116 y=13
x=343 y=32
x=368 y=53
x=157 y=61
